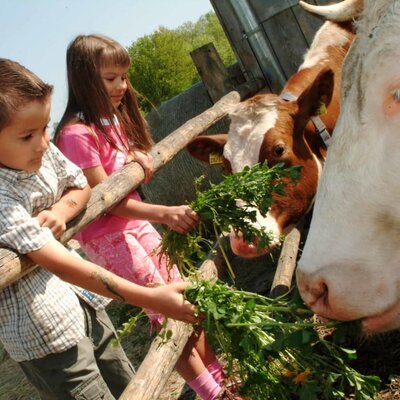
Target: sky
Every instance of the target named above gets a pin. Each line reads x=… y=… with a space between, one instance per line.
x=36 y=33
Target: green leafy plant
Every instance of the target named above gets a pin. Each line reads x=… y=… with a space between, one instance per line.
x=219 y=212
x=275 y=348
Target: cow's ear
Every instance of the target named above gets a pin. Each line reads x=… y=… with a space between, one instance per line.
x=317 y=96
x=208 y=149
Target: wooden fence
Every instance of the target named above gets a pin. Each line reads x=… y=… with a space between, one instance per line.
x=13 y=266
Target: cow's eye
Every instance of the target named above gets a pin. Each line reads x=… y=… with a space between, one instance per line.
x=396 y=95
x=279 y=150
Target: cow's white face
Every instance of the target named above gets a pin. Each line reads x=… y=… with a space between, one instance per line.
x=349 y=268
x=249 y=123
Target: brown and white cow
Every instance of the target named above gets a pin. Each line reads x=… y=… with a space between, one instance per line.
x=350 y=266
x=279 y=128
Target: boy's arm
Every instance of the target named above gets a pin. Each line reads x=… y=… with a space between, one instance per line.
x=71 y=203
x=167 y=300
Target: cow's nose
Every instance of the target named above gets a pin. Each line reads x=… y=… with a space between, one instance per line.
x=313 y=291
x=245 y=249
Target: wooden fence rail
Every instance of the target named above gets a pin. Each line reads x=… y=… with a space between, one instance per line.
x=13 y=266
x=154 y=371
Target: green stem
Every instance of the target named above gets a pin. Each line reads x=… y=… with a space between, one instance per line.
x=283 y=324
x=224 y=255
x=284 y=309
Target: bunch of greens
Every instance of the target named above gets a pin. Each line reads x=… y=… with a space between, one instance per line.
x=273 y=345
x=219 y=212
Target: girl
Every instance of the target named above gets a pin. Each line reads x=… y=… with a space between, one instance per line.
x=101 y=130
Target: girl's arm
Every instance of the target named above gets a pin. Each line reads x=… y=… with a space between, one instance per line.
x=145 y=160
x=178 y=218
x=71 y=203
x=167 y=300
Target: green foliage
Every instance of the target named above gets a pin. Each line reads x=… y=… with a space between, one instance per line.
x=218 y=210
x=127 y=327
x=274 y=346
x=161 y=63
x=208 y=29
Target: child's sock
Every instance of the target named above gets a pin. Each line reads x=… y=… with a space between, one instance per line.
x=216 y=370
x=205 y=386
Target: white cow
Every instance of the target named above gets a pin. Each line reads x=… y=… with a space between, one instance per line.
x=350 y=266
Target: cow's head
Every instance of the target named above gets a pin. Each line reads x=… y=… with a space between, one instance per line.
x=268 y=128
x=350 y=266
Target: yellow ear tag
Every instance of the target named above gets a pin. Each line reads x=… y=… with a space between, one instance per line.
x=321 y=110
x=215 y=158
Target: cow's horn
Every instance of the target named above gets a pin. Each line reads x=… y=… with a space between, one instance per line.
x=343 y=11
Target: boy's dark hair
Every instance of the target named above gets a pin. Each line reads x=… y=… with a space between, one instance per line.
x=18 y=86
x=87 y=95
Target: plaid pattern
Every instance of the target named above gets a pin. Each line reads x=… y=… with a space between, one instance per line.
x=39 y=314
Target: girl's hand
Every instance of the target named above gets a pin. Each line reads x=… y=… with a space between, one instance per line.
x=169 y=301
x=55 y=222
x=145 y=160
x=180 y=219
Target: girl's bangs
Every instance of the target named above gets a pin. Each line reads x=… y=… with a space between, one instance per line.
x=115 y=56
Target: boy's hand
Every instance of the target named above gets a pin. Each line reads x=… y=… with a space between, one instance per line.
x=181 y=219
x=169 y=301
x=145 y=160
x=50 y=219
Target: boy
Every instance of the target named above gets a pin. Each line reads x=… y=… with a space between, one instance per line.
x=58 y=333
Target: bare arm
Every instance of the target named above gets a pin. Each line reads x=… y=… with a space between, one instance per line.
x=179 y=218
x=145 y=160
x=72 y=202
x=167 y=300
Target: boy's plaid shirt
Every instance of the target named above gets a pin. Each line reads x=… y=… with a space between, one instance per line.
x=39 y=314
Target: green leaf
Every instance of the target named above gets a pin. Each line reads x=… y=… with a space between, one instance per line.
x=309 y=392
x=300 y=338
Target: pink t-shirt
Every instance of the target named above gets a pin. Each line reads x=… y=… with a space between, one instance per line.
x=90 y=149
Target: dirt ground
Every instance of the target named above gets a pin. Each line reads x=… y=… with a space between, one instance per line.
x=378 y=355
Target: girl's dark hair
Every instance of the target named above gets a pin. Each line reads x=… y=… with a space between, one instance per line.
x=88 y=96
x=18 y=87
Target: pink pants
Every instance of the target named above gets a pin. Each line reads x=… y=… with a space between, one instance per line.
x=128 y=254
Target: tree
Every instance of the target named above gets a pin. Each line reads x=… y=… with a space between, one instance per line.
x=208 y=29
x=161 y=63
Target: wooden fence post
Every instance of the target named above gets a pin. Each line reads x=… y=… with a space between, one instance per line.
x=287 y=262
x=212 y=71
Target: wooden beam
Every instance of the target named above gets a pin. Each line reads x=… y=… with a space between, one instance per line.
x=287 y=262
x=154 y=371
x=119 y=184
x=212 y=71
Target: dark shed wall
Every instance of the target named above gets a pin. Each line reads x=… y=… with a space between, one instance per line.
x=284 y=26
